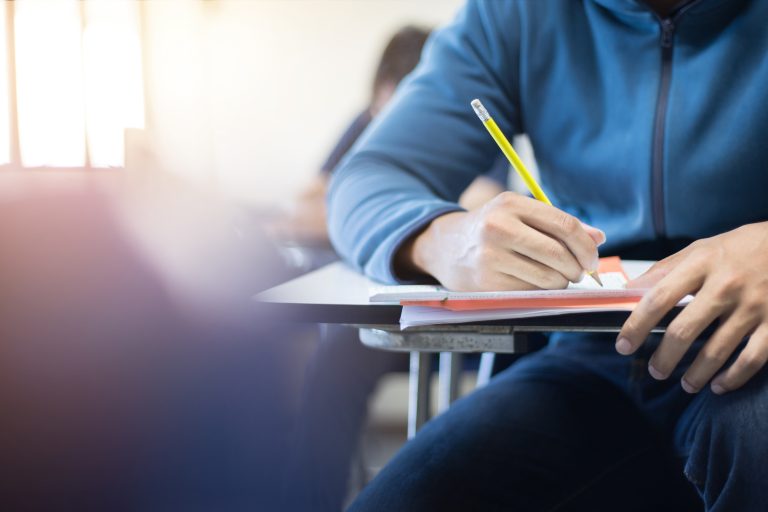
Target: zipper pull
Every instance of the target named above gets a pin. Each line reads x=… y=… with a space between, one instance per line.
x=667 y=32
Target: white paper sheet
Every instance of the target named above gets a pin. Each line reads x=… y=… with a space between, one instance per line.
x=614 y=286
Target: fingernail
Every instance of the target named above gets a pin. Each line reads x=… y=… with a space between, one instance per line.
x=687 y=387
x=623 y=346
x=595 y=264
x=656 y=374
x=718 y=389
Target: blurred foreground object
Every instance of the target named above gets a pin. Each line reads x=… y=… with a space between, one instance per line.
x=119 y=389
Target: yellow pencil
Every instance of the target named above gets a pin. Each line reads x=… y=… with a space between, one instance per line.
x=516 y=162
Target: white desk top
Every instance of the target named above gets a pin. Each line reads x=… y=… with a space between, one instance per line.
x=337 y=293
x=335 y=283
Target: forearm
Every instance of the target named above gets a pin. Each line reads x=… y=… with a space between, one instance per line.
x=373 y=210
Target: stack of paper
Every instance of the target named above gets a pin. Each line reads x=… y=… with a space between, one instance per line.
x=429 y=305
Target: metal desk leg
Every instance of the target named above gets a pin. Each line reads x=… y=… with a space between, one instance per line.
x=418 y=392
x=448 y=380
x=486 y=369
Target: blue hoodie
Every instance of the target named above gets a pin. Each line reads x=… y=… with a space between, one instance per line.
x=648 y=128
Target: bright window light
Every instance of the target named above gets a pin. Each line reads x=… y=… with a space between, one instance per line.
x=78 y=81
x=5 y=117
x=113 y=78
x=49 y=83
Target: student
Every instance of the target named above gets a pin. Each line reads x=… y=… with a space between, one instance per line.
x=342 y=373
x=306 y=221
x=646 y=119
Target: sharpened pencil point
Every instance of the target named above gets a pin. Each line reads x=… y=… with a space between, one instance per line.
x=594 y=275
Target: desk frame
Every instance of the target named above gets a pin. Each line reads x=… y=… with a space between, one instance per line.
x=451 y=341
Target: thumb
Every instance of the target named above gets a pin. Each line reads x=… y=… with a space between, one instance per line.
x=596 y=234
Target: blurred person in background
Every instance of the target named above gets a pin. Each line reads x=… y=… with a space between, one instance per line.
x=306 y=220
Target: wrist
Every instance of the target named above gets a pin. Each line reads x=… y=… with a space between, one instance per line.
x=420 y=255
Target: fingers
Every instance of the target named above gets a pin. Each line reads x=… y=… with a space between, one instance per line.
x=687 y=278
x=659 y=270
x=714 y=354
x=503 y=282
x=536 y=274
x=751 y=360
x=682 y=332
x=563 y=227
x=553 y=254
x=530 y=274
x=505 y=226
x=491 y=277
x=732 y=285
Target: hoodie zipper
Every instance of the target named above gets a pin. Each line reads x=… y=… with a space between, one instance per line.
x=668 y=26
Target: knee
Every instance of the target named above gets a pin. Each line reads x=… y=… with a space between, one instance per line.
x=727 y=443
x=738 y=417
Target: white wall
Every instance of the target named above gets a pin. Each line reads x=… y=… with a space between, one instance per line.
x=249 y=96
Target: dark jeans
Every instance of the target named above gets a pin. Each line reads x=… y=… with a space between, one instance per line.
x=577 y=427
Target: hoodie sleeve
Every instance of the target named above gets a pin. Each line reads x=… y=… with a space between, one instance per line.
x=427 y=146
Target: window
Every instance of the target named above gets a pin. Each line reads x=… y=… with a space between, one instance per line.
x=71 y=71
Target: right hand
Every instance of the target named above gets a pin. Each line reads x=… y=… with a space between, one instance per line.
x=512 y=243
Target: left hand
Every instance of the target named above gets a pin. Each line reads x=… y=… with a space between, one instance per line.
x=728 y=274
